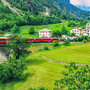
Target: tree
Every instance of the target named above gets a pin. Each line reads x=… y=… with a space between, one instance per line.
x=46 y=47
x=56 y=33
x=75 y=78
x=15 y=29
x=31 y=31
x=1 y=32
x=55 y=43
x=71 y=24
x=63 y=30
x=72 y=34
x=67 y=42
x=12 y=69
x=84 y=40
x=17 y=46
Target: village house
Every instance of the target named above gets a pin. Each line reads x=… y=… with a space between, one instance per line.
x=77 y=31
x=45 y=33
x=88 y=29
x=81 y=32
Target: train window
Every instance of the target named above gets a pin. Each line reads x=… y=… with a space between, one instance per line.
x=2 y=39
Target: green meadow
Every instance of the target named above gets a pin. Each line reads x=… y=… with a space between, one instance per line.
x=41 y=72
x=24 y=29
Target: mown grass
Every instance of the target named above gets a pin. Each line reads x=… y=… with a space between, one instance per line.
x=78 y=53
x=41 y=72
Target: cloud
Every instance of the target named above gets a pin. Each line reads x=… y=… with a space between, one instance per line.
x=80 y=2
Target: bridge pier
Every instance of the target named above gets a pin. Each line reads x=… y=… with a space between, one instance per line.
x=3 y=53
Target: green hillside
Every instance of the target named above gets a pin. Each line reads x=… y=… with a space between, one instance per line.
x=57 y=7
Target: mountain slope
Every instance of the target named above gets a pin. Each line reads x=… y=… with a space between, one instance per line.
x=56 y=6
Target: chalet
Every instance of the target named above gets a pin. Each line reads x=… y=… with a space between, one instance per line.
x=77 y=31
x=88 y=29
x=45 y=33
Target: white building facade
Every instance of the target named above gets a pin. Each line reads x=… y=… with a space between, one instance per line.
x=45 y=33
x=77 y=31
x=88 y=29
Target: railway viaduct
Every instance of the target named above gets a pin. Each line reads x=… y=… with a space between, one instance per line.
x=3 y=53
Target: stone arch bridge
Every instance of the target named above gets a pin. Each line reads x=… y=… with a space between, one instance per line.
x=3 y=53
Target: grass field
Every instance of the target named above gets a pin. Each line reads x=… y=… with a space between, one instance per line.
x=78 y=53
x=41 y=72
x=24 y=29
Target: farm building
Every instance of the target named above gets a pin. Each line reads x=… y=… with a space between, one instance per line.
x=45 y=33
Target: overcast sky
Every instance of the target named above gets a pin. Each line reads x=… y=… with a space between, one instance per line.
x=80 y=2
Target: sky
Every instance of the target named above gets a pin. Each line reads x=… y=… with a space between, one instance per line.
x=80 y=2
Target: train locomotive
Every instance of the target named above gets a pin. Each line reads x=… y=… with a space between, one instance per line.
x=3 y=40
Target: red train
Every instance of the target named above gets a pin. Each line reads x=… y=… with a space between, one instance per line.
x=5 y=39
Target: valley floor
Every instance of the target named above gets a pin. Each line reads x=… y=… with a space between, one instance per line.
x=41 y=72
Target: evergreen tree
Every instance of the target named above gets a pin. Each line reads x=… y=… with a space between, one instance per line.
x=63 y=30
x=15 y=29
x=31 y=31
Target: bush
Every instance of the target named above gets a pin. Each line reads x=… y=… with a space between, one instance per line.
x=40 y=49
x=46 y=47
x=62 y=39
x=12 y=69
x=66 y=42
x=55 y=43
x=84 y=40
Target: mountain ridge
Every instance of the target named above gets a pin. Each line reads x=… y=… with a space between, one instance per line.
x=56 y=6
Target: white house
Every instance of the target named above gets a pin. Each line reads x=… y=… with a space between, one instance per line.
x=77 y=31
x=45 y=33
x=88 y=29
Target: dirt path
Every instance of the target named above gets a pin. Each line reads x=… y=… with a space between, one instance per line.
x=6 y=4
x=64 y=63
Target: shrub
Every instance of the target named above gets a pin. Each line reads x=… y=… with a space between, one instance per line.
x=46 y=47
x=55 y=43
x=66 y=42
x=84 y=40
x=40 y=49
x=12 y=69
x=62 y=39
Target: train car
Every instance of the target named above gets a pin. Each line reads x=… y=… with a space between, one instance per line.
x=45 y=40
x=34 y=40
x=3 y=40
x=53 y=39
x=42 y=39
